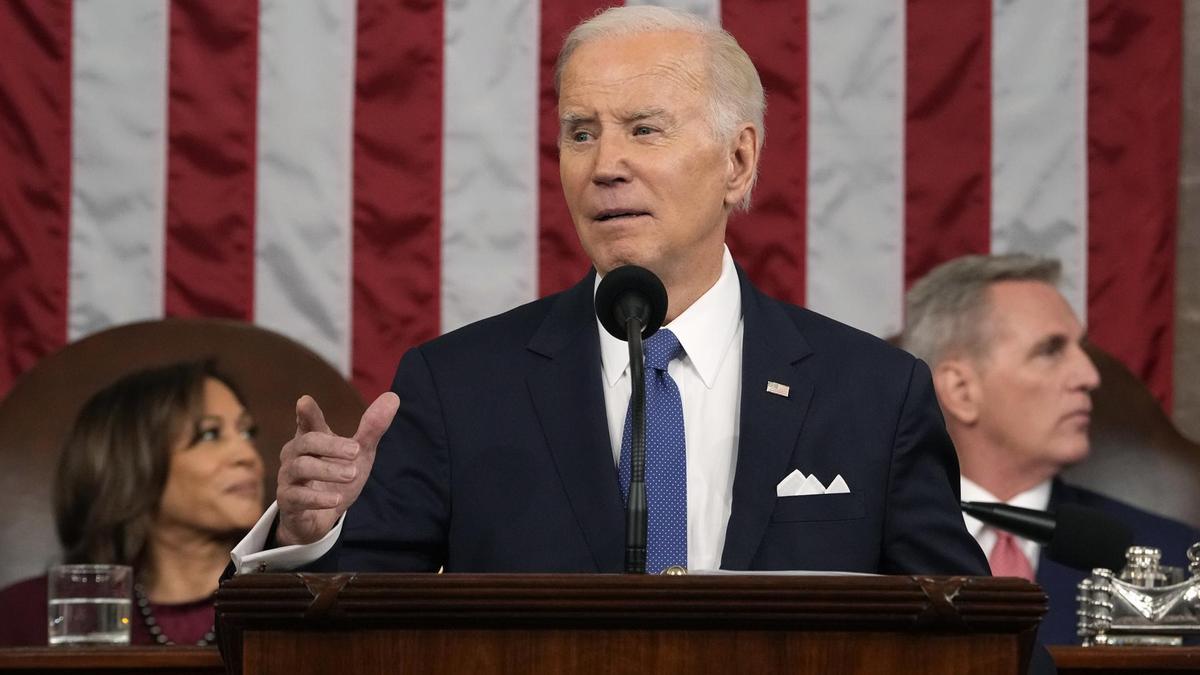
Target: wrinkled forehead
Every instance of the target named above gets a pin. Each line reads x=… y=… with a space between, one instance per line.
x=630 y=63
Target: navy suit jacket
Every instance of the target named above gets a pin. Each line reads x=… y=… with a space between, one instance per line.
x=1060 y=582
x=499 y=459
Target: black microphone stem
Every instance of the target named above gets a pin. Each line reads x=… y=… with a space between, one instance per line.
x=635 y=508
x=631 y=304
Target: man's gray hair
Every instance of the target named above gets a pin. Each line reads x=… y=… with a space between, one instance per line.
x=737 y=93
x=946 y=311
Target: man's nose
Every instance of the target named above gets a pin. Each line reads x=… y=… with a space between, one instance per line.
x=612 y=161
x=1085 y=374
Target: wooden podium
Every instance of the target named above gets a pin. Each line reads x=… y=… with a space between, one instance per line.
x=295 y=624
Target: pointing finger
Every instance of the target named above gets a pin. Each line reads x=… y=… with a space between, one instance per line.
x=319 y=445
x=309 y=416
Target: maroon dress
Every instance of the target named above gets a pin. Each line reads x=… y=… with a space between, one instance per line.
x=23 y=618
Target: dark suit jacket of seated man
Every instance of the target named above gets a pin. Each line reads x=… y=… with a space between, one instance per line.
x=500 y=458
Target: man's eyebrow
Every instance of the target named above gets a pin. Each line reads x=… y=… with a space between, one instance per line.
x=1050 y=344
x=574 y=119
x=646 y=113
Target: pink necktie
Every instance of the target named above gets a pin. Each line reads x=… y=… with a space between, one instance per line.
x=1007 y=559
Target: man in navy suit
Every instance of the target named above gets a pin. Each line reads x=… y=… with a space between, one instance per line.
x=1015 y=384
x=503 y=455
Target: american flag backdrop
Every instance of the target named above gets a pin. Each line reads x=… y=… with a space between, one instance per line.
x=362 y=175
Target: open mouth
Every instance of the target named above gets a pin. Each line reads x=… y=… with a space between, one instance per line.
x=617 y=214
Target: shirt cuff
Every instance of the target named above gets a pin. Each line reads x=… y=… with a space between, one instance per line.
x=249 y=556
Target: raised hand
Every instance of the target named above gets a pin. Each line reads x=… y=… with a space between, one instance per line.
x=320 y=473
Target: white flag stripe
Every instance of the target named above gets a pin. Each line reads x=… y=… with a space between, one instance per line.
x=118 y=159
x=302 y=270
x=489 y=163
x=1039 y=126
x=303 y=262
x=709 y=9
x=856 y=162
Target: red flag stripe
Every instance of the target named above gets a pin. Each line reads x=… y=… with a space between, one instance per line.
x=770 y=240
x=561 y=260
x=947 y=133
x=1134 y=89
x=397 y=185
x=1133 y=117
x=211 y=102
x=35 y=141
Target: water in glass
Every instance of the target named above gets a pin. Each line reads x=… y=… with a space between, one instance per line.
x=89 y=621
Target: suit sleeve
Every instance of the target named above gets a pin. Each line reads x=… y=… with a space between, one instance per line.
x=400 y=521
x=923 y=530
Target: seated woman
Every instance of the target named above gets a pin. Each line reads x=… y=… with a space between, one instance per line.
x=160 y=472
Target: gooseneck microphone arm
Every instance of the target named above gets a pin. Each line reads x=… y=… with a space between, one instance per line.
x=1028 y=523
x=631 y=304
x=1075 y=535
x=636 y=514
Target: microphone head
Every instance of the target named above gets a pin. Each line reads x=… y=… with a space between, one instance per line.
x=1027 y=523
x=1085 y=538
x=1075 y=536
x=631 y=291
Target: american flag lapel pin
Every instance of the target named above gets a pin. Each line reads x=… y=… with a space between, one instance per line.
x=778 y=389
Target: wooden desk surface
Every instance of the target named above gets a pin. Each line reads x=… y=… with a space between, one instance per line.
x=206 y=660
x=111 y=660
x=1126 y=660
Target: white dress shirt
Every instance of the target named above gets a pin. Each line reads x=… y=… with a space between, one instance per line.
x=1037 y=497
x=709 y=377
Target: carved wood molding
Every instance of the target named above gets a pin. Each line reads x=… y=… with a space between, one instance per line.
x=875 y=605
x=799 y=602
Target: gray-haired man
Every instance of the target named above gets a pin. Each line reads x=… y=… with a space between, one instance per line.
x=1015 y=384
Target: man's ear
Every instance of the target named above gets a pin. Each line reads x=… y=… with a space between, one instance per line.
x=956 y=382
x=743 y=162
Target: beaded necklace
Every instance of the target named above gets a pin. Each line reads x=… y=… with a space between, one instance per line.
x=155 y=630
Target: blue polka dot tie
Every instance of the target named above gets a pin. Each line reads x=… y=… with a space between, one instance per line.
x=666 y=457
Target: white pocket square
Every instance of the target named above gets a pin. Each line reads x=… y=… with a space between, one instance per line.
x=796 y=484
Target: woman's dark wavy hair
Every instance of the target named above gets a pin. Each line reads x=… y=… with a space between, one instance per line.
x=113 y=468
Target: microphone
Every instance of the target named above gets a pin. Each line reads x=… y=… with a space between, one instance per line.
x=1075 y=536
x=631 y=303
x=631 y=292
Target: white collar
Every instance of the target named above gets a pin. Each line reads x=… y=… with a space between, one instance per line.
x=705 y=329
x=1037 y=497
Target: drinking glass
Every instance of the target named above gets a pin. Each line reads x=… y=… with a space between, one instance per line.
x=89 y=604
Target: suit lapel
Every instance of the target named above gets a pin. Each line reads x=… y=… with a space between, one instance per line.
x=772 y=351
x=569 y=400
